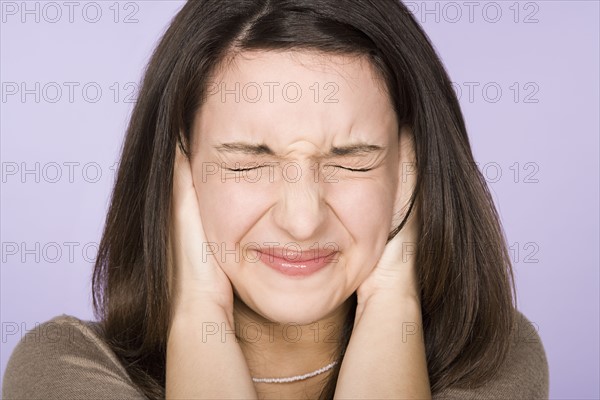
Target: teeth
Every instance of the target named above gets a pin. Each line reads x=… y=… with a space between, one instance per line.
x=292 y=265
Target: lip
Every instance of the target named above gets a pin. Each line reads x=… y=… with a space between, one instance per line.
x=297 y=264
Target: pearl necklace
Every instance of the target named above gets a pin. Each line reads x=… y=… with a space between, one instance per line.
x=295 y=378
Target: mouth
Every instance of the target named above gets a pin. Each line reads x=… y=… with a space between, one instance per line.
x=298 y=263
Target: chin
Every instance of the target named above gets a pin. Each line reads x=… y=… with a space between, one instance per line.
x=298 y=316
x=292 y=311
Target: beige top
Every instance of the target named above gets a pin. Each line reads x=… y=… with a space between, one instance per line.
x=65 y=358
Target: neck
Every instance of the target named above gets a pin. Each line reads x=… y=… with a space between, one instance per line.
x=286 y=349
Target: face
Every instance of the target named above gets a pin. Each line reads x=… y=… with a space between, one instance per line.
x=321 y=138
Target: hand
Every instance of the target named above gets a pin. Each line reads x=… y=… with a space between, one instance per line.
x=197 y=279
x=386 y=301
x=395 y=272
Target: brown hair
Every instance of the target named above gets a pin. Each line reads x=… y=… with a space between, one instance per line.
x=463 y=264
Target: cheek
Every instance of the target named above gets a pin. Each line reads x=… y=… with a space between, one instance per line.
x=229 y=209
x=365 y=208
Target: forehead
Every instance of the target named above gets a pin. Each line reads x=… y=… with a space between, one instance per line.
x=289 y=96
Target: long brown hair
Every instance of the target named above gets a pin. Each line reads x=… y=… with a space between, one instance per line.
x=464 y=268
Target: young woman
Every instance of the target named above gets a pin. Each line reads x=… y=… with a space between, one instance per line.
x=297 y=214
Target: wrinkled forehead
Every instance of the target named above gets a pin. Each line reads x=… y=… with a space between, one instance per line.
x=296 y=93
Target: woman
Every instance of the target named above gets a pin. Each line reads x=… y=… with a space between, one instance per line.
x=297 y=214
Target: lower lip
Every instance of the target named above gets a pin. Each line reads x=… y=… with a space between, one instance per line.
x=296 y=268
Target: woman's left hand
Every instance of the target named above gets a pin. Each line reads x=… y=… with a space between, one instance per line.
x=395 y=272
x=387 y=329
x=388 y=323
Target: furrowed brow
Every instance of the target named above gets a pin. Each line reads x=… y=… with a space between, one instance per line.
x=357 y=149
x=245 y=148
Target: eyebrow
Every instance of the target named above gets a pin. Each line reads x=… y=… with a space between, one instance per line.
x=262 y=149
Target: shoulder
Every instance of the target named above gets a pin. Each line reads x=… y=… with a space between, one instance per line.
x=64 y=358
x=524 y=374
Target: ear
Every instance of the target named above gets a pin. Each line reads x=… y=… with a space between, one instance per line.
x=407 y=174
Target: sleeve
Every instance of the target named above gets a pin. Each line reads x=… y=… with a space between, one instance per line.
x=64 y=359
x=524 y=374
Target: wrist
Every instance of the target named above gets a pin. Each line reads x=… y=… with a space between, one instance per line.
x=400 y=281
x=198 y=312
x=391 y=294
x=390 y=304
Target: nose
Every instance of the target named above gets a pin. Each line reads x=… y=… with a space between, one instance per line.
x=301 y=209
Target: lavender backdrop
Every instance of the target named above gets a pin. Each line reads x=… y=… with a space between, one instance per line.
x=528 y=78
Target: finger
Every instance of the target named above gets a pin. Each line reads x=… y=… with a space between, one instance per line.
x=392 y=253
x=182 y=176
x=409 y=169
x=188 y=229
x=184 y=192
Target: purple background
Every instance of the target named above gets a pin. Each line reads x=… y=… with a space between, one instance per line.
x=544 y=59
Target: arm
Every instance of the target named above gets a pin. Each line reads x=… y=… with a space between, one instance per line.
x=385 y=357
x=204 y=359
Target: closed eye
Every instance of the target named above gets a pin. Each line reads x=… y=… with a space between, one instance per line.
x=244 y=169
x=336 y=166
x=353 y=169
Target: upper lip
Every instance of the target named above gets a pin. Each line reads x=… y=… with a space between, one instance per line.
x=295 y=255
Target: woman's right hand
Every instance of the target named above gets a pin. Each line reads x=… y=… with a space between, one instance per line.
x=197 y=278
x=200 y=364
